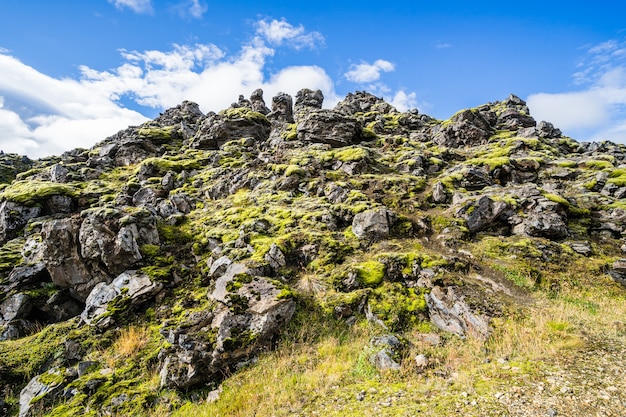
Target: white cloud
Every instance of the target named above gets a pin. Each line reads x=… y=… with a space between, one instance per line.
x=41 y=115
x=367 y=73
x=191 y=9
x=598 y=109
x=137 y=6
x=48 y=116
x=277 y=32
x=443 y=45
x=404 y=101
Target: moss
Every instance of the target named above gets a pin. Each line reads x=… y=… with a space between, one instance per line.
x=30 y=193
x=245 y=113
x=368 y=134
x=294 y=170
x=11 y=254
x=617 y=177
x=351 y=154
x=161 y=134
x=397 y=306
x=24 y=358
x=291 y=133
x=598 y=164
x=371 y=273
x=239 y=340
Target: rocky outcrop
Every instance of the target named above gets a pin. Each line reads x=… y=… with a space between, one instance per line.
x=449 y=311
x=466 y=128
x=106 y=301
x=251 y=311
x=231 y=124
x=373 y=224
x=330 y=127
x=13 y=217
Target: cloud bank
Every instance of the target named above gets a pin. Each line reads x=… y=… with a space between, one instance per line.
x=594 y=112
x=41 y=115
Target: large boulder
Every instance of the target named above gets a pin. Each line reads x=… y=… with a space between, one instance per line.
x=329 y=126
x=232 y=124
x=129 y=290
x=449 y=312
x=13 y=217
x=373 y=224
x=251 y=310
x=110 y=238
x=466 y=128
x=482 y=213
x=63 y=260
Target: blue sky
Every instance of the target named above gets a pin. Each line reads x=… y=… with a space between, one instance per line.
x=74 y=72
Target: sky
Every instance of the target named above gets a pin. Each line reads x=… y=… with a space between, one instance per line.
x=74 y=72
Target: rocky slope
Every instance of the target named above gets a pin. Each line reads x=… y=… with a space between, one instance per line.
x=140 y=274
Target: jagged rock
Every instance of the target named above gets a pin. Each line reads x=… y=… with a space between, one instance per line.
x=513 y=120
x=546 y=224
x=106 y=238
x=60 y=306
x=18 y=306
x=275 y=257
x=373 y=224
x=363 y=102
x=13 y=217
x=24 y=276
x=148 y=197
x=482 y=213
x=130 y=288
x=475 y=179
x=250 y=312
x=282 y=108
x=232 y=124
x=257 y=103
x=36 y=395
x=306 y=102
x=439 y=193
x=63 y=260
x=383 y=361
x=466 y=128
x=15 y=329
x=448 y=311
x=58 y=173
x=329 y=126
x=618 y=271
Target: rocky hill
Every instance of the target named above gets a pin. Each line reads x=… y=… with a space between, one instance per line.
x=295 y=260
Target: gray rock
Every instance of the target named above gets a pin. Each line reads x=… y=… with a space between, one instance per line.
x=618 y=271
x=43 y=393
x=582 y=248
x=13 y=217
x=466 y=128
x=306 y=101
x=17 y=306
x=219 y=266
x=363 y=102
x=232 y=124
x=24 y=276
x=439 y=193
x=547 y=224
x=449 y=312
x=58 y=173
x=421 y=363
x=257 y=103
x=373 y=224
x=383 y=361
x=330 y=127
x=249 y=314
x=482 y=213
x=275 y=257
x=63 y=260
x=135 y=287
x=282 y=108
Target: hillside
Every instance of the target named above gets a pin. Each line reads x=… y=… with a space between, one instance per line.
x=294 y=260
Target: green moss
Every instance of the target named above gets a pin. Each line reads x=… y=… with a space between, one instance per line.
x=397 y=306
x=30 y=193
x=11 y=254
x=161 y=134
x=239 y=340
x=368 y=134
x=351 y=154
x=245 y=113
x=294 y=170
x=598 y=164
x=24 y=358
x=291 y=133
x=617 y=177
x=370 y=273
